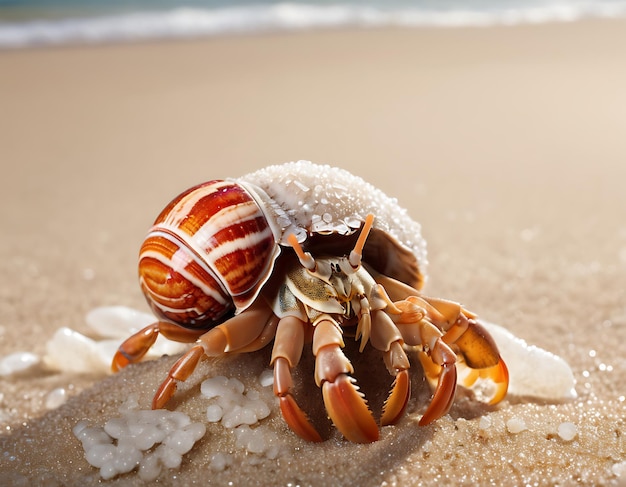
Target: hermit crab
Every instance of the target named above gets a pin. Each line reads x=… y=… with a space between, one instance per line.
x=305 y=255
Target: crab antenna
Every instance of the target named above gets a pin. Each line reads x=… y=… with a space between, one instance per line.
x=357 y=251
x=306 y=259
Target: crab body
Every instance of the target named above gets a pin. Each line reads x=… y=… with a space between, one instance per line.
x=297 y=250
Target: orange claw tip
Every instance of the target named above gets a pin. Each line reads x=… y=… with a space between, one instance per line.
x=398 y=399
x=443 y=397
x=119 y=361
x=500 y=375
x=348 y=410
x=164 y=393
x=297 y=419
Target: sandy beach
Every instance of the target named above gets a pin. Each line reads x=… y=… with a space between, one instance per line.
x=507 y=144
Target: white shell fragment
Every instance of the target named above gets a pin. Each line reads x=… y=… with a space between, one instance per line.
x=533 y=372
x=18 y=362
x=147 y=440
x=71 y=351
x=117 y=321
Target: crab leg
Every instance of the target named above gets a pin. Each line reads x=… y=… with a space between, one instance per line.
x=442 y=355
x=480 y=353
x=471 y=341
x=387 y=338
x=286 y=354
x=136 y=346
x=344 y=403
x=438 y=360
x=237 y=333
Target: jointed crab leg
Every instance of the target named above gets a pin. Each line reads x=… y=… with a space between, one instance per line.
x=387 y=338
x=344 y=403
x=286 y=355
x=461 y=331
x=244 y=331
x=480 y=354
x=136 y=346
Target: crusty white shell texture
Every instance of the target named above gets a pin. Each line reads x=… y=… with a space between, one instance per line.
x=323 y=200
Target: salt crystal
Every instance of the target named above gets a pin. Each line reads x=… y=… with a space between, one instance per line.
x=567 y=431
x=619 y=470
x=214 y=386
x=515 y=425
x=100 y=455
x=92 y=436
x=237 y=416
x=79 y=427
x=219 y=462
x=115 y=427
x=236 y=385
x=149 y=468
x=169 y=457
x=253 y=440
x=131 y=403
x=148 y=438
x=484 y=423
x=55 y=398
x=180 y=441
x=427 y=446
x=17 y=362
x=108 y=471
x=127 y=458
x=214 y=413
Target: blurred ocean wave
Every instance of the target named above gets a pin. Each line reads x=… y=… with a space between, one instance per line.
x=49 y=23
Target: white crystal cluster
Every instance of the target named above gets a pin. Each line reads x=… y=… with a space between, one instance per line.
x=240 y=410
x=324 y=199
x=147 y=440
x=230 y=404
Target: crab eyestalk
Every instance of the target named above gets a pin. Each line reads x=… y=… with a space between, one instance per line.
x=305 y=258
x=357 y=252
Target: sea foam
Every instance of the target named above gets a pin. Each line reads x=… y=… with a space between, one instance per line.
x=187 y=22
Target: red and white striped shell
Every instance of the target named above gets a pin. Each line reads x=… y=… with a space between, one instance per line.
x=212 y=249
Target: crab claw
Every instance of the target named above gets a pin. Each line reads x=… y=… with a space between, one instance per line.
x=443 y=396
x=439 y=364
x=498 y=374
x=135 y=347
x=477 y=346
x=398 y=399
x=297 y=419
x=348 y=410
x=292 y=413
x=481 y=356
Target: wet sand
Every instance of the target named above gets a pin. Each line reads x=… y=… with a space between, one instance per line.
x=506 y=144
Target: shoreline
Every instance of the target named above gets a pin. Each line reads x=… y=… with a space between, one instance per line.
x=94 y=40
